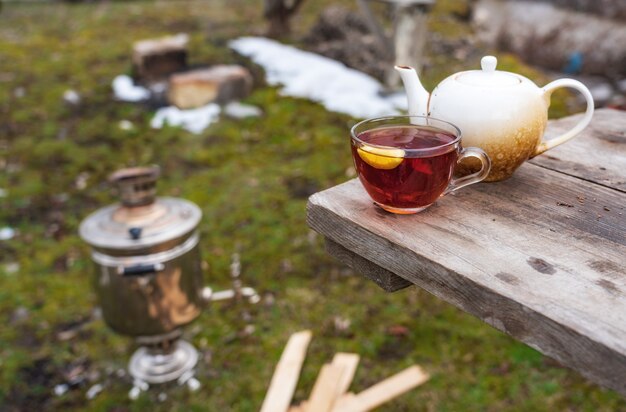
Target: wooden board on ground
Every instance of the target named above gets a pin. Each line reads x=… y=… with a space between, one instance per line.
x=286 y=374
x=349 y=362
x=324 y=391
x=330 y=391
x=383 y=391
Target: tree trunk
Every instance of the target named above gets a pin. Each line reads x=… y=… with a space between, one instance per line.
x=409 y=40
x=278 y=13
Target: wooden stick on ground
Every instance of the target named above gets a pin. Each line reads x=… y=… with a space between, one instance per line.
x=343 y=404
x=332 y=382
x=286 y=374
x=324 y=391
x=350 y=362
x=383 y=391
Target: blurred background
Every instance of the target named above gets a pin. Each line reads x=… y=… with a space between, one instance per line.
x=79 y=99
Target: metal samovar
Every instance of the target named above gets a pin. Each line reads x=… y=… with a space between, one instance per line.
x=149 y=276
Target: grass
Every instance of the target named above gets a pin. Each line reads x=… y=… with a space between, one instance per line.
x=250 y=178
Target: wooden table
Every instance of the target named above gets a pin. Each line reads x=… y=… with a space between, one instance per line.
x=541 y=256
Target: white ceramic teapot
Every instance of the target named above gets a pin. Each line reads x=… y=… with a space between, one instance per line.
x=503 y=113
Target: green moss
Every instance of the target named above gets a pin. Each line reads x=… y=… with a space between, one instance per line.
x=250 y=178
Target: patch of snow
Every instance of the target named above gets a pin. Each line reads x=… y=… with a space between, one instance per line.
x=158 y=88
x=126 y=125
x=193 y=384
x=81 y=181
x=398 y=100
x=11 y=268
x=239 y=110
x=7 y=233
x=329 y=82
x=134 y=393
x=71 y=97
x=60 y=390
x=141 y=385
x=194 y=120
x=124 y=89
x=94 y=391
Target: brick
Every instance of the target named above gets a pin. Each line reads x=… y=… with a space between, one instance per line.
x=219 y=84
x=156 y=59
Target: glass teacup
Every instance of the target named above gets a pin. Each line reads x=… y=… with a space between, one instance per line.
x=406 y=163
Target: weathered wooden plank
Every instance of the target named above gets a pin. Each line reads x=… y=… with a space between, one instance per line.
x=349 y=362
x=382 y=277
x=324 y=391
x=541 y=256
x=597 y=155
x=384 y=391
x=343 y=404
x=287 y=372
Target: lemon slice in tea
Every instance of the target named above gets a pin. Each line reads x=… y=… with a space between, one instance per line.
x=381 y=158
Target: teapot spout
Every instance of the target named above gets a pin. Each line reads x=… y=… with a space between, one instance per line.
x=416 y=95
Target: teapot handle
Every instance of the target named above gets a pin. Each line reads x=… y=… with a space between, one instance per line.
x=547 y=92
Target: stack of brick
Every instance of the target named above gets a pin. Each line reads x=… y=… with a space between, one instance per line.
x=164 y=61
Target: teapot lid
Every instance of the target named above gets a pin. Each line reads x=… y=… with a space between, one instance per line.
x=141 y=221
x=488 y=76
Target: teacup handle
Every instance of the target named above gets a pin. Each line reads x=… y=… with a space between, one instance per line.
x=479 y=154
x=547 y=92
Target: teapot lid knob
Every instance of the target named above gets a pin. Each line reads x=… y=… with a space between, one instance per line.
x=488 y=63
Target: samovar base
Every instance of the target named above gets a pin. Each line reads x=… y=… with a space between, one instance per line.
x=154 y=365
